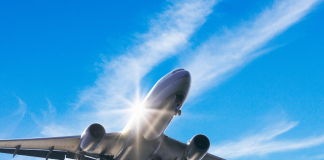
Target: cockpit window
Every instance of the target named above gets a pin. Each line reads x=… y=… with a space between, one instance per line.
x=177 y=70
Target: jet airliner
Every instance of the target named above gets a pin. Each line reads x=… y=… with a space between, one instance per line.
x=143 y=137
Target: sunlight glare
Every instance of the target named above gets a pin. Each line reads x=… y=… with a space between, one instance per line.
x=138 y=110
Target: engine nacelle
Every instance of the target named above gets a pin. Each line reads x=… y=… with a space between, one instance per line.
x=198 y=147
x=92 y=137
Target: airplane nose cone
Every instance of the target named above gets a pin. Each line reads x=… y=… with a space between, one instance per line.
x=180 y=74
x=184 y=73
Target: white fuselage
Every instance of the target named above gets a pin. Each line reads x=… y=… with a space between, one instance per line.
x=159 y=107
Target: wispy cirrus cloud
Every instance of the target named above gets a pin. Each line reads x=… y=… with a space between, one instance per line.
x=265 y=142
x=317 y=157
x=168 y=34
x=52 y=129
x=216 y=58
x=121 y=75
x=21 y=110
x=109 y=99
x=13 y=120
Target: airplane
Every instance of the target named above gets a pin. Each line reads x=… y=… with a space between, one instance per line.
x=142 y=138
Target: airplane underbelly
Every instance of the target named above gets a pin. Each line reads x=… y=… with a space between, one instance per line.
x=138 y=148
x=157 y=121
x=162 y=110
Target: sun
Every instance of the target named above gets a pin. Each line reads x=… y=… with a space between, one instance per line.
x=138 y=110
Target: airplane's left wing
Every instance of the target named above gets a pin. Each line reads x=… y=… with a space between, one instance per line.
x=61 y=147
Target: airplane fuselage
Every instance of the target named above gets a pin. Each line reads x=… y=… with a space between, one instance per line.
x=160 y=106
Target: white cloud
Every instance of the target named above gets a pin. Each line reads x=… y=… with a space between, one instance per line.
x=216 y=58
x=121 y=75
x=21 y=110
x=51 y=108
x=317 y=157
x=53 y=130
x=13 y=120
x=264 y=143
x=52 y=126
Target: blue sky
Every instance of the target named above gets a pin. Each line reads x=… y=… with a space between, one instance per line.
x=257 y=70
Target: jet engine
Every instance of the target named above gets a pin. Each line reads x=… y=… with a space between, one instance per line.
x=197 y=147
x=92 y=137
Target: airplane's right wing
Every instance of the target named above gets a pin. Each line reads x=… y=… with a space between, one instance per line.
x=171 y=149
x=211 y=157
